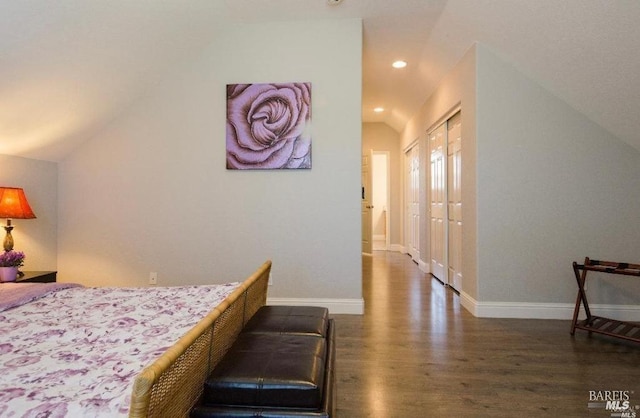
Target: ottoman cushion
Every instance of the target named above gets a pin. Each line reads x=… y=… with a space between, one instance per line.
x=270 y=370
x=303 y=320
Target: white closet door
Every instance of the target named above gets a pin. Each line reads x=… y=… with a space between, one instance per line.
x=412 y=159
x=437 y=202
x=454 y=197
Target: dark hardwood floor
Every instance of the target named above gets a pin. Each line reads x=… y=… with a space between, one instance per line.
x=417 y=353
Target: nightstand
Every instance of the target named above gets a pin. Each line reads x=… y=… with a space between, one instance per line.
x=38 y=277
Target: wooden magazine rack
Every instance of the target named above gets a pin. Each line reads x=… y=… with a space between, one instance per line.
x=620 y=329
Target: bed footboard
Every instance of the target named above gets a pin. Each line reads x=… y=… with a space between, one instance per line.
x=171 y=385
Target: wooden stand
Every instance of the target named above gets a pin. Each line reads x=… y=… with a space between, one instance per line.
x=620 y=329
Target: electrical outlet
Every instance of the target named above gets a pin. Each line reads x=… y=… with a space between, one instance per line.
x=153 y=278
x=270 y=279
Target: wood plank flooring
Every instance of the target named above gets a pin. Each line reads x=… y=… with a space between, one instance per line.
x=417 y=353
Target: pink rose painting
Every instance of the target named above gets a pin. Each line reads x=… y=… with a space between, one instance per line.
x=268 y=126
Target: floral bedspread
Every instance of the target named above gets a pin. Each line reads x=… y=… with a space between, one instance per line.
x=75 y=352
x=16 y=294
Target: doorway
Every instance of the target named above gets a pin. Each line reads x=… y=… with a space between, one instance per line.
x=380 y=200
x=366 y=203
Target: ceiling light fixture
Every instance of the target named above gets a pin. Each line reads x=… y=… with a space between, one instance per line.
x=333 y=2
x=378 y=109
x=399 y=64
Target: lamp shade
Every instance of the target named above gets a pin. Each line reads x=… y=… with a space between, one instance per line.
x=14 y=205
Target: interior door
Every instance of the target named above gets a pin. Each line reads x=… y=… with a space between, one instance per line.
x=412 y=159
x=437 y=203
x=454 y=197
x=367 y=206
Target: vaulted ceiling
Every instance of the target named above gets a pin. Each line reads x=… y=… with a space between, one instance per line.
x=68 y=67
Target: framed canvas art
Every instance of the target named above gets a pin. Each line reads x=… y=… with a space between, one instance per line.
x=268 y=126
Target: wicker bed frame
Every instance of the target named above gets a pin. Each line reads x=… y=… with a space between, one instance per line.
x=171 y=385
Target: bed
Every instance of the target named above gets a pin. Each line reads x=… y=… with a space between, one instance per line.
x=49 y=351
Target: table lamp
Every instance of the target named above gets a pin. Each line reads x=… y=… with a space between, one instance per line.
x=13 y=205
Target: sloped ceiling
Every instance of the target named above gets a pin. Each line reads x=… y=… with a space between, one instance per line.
x=69 y=67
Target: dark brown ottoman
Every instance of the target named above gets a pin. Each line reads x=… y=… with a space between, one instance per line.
x=302 y=320
x=273 y=375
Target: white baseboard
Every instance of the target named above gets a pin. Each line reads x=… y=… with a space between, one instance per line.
x=397 y=248
x=335 y=306
x=526 y=310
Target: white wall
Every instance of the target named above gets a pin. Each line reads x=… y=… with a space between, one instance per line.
x=36 y=237
x=543 y=186
x=380 y=137
x=151 y=192
x=553 y=187
x=457 y=90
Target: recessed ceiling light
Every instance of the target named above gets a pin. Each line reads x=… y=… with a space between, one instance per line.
x=378 y=109
x=399 y=64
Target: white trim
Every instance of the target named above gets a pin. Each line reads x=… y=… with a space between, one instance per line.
x=448 y=115
x=424 y=267
x=468 y=303
x=528 y=310
x=335 y=306
x=397 y=248
x=413 y=143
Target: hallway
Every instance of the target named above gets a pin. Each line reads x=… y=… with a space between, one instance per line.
x=417 y=353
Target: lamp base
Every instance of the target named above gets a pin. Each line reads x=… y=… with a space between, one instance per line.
x=8 y=239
